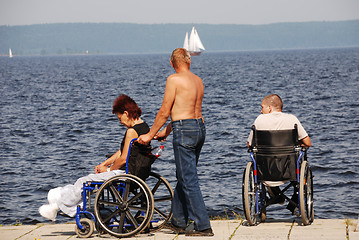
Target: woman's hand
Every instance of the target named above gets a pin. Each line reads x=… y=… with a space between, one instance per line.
x=100 y=168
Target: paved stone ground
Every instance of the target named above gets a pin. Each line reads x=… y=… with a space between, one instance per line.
x=335 y=229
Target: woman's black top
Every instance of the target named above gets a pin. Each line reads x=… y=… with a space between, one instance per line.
x=140 y=160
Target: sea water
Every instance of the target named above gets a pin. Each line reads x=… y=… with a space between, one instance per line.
x=57 y=122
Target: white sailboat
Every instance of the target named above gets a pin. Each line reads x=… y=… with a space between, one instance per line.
x=10 y=53
x=193 y=44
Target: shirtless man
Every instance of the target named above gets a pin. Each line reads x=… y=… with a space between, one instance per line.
x=183 y=102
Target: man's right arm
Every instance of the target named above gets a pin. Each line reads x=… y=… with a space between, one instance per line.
x=163 y=113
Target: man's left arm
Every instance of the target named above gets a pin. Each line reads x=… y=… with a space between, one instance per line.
x=306 y=142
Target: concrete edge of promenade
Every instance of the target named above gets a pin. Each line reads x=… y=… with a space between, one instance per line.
x=223 y=229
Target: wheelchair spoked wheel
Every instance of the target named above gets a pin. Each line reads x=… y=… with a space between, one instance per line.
x=163 y=199
x=88 y=228
x=306 y=194
x=124 y=205
x=249 y=195
x=98 y=227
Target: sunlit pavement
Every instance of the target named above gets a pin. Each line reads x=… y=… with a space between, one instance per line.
x=223 y=229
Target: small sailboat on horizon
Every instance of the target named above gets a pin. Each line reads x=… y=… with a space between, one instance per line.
x=10 y=53
x=193 y=43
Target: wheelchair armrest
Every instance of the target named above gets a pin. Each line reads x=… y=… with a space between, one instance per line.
x=252 y=149
x=304 y=149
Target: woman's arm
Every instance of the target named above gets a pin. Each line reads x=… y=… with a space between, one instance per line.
x=108 y=161
x=119 y=158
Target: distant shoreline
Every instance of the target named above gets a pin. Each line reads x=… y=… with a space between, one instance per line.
x=122 y=38
x=206 y=52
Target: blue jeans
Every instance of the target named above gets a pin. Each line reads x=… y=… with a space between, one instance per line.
x=188 y=139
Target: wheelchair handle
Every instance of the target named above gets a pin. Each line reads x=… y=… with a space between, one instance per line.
x=160 y=138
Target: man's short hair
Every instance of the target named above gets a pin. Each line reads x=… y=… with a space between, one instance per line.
x=273 y=100
x=180 y=56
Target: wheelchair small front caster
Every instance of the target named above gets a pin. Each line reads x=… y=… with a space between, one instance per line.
x=88 y=228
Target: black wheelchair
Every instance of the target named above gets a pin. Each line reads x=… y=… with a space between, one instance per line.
x=276 y=155
x=125 y=205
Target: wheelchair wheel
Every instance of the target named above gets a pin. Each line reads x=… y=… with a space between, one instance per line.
x=124 y=205
x=163 y=198
x=249 y=196
x=88 y=228
x=98 y=227
x=306 y=194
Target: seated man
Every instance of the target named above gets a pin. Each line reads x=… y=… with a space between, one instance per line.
x=272 y=118
x=67 y=198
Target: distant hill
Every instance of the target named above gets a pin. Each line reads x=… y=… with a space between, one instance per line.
x=113 y=38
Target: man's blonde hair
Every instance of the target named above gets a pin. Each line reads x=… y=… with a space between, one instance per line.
x=180 y=56
x=273 y=100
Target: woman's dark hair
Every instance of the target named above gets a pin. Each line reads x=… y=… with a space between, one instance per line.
x=124 y=103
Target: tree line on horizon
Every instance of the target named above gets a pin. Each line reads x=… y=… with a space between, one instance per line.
x=117 y=38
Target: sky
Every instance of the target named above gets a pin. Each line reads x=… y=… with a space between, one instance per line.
x=27 y=12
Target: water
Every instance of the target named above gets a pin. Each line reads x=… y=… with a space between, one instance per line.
x=56 y=122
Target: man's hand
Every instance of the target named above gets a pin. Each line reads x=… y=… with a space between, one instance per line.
x=161 y=136
x=144 y=139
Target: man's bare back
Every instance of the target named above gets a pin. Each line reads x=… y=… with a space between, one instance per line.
x=188 y=97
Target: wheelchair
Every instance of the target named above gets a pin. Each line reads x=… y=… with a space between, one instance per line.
x=277 y=156
x=124 y=205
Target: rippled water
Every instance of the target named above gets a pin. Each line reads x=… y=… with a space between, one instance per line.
x=56 y=122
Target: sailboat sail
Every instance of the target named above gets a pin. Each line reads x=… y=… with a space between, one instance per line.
x=198 y=41
x=193 y=44
x=10 y=53
x=185 y=44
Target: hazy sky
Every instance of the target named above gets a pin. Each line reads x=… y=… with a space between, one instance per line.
x=25 y=12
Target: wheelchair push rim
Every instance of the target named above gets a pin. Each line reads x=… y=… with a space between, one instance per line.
x=306 y=194
x=124 y=205
x=163 y=200
x=249 y=195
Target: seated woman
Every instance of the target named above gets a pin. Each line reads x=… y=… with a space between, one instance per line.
x=67 y=198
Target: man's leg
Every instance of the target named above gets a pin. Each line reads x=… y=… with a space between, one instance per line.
x=186 y=137
x=293 y=206
x=274 y=194
x=180 y=211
